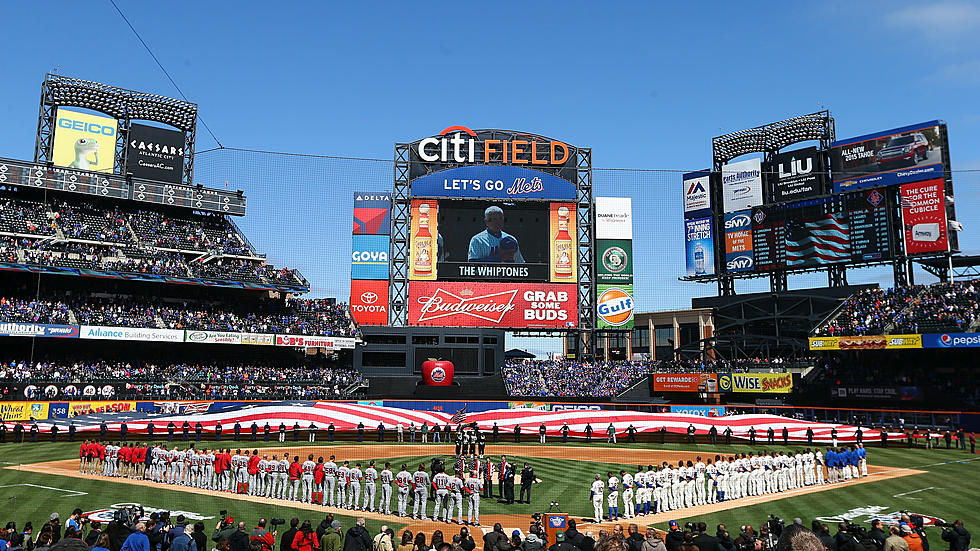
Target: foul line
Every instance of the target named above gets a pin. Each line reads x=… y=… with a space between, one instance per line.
x=916 y=491
x=69 y=493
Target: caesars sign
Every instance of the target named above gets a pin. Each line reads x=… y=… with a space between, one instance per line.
x=459 y=144
x=155 y=153
x=85 y=142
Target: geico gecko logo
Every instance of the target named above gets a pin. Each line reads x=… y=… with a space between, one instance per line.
x=459 y=144
x=615 y=306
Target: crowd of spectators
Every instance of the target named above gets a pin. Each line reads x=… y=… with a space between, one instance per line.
x=938 y=308
x=603 y=379
x=105 y=237
x=181 y=381
x=317 y=317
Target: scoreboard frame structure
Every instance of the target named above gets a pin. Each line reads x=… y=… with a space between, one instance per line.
x=577 y=171
x=769 y=140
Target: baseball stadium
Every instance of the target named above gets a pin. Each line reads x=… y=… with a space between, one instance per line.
x=743 y=324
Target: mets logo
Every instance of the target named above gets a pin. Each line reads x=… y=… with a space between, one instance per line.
x=556 y=521
x=759 y=216
x=614 y=259
x=725 y=383
x=438 y=374
x=875 y=197
x=945 y=340
x=615 y=307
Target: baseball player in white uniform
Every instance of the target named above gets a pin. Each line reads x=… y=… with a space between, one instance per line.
x=613 y=498
x=421 y=483
x=354 y=487
x=370 y=486
x=629 y=508
x=440 y=483
x=386 y=477
x=700 y=490
x=343 y=472
x=404 y=481
x=329 y=480
x=596 y=495
x=308 y=467
x=474 y=485
x=455 y=498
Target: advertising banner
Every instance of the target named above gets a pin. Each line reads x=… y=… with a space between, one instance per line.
x=866 y=342
x=902 y=393
x=213 y=337
x=758 y=383
x=372 y=213
x=613 y=218
x=518 y=305
x=131 y=334
x=15 y=329
x=84 y=141
x=261 y=339
x=703 y=411
x=697 y=194
x=741 y=184
x=155 y=153
x=563 y=260
x=369 y=301
x=493 y=182
x=738 y=242
x=424 y=247
x=924 y=216
x=615 y=264
x=369 y=257
x=699 y=247
x=896 y=156
x=614 y=306
x=306 y=341
x=23 y=411
x=685 y=382
x=798 y=174
x=84 y=408
x=951 y=340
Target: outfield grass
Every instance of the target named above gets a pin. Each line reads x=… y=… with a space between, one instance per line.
x=947 y=490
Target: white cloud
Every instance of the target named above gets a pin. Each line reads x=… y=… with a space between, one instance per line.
x=939 y=20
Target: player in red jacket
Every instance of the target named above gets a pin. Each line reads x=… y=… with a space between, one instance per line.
x=253 y=472
x=295 y=472
x=124 y=457
x=318 y=477
x=82 y=456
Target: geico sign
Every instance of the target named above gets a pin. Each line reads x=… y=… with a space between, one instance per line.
x=91 y=127
x=458 y=144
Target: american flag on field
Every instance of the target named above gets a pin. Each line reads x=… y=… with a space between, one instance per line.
x=460 y=416
x=821 y=240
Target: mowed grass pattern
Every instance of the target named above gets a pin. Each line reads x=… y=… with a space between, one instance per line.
x=948 y=490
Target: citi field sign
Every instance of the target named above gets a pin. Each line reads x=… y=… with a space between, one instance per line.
x=459 y=144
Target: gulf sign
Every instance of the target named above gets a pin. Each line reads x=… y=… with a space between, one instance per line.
x=614 y=306
x=459 y=144
x=757 y=383
x=493 y=182
x=502 y=305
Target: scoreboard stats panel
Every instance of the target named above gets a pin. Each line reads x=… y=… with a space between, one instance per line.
x=850 y=228
x=197 y=198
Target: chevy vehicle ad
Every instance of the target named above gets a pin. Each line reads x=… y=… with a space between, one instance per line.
x=896 y=156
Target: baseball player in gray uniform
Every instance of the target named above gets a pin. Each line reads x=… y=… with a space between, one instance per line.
x=421 y=483
x=387 y=477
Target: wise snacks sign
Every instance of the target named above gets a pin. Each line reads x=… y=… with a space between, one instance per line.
x=756 y=383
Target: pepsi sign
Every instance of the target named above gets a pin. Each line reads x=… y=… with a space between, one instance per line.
x=951 y=340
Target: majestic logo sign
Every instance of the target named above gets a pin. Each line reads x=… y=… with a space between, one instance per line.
x=458 y=144
x=696 y=196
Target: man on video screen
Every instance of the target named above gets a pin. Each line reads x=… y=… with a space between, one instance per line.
x=493 y=244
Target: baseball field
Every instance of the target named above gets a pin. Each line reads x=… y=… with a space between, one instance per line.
x=40 y=478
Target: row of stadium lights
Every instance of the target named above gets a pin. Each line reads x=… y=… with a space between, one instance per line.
x=122 y=103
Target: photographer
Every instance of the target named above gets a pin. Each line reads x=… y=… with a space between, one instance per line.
x=877 y=534
x=675 y=538
x=956 y=535
x=746 y=541
x=263 y=536
x=224 y=529
x=704 y=541
x=725 y=541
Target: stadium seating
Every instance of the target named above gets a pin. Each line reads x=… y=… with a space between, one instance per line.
x=294 y=317
x=191 y=381
x=939 y=308
x=604 y=379
x=107 y=237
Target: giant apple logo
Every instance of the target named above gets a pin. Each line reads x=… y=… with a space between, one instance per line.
x=437 y=372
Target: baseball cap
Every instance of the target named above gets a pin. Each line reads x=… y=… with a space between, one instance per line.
x=335 y=524
x=515 y=533
x=674 y=524
x=560 y=535
x=229 y=520
x=55 y=516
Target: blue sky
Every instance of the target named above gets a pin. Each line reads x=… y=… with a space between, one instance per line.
x=645 y=84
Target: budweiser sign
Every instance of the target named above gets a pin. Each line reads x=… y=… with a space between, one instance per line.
x=492 y=304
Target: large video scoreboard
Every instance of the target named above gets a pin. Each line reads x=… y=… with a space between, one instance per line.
x=857 y=201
